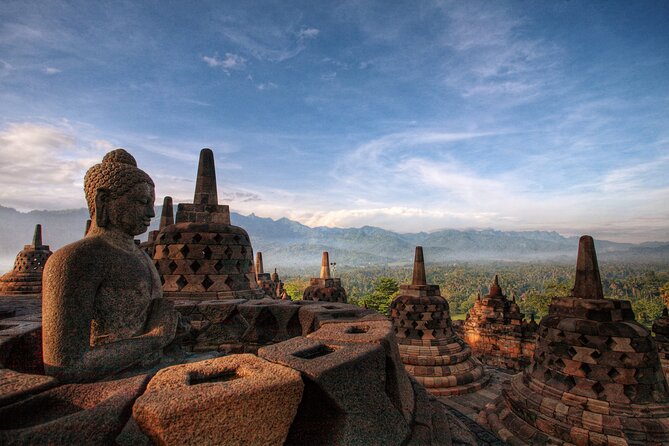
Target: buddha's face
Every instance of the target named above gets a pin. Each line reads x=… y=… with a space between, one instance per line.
x=132 y=212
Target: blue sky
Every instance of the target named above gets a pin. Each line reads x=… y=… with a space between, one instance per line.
x=406 y=115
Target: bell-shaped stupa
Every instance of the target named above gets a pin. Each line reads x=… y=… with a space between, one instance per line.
x=325 y=288
x=596 y=376
x=26 y=276
x=496 y=332
x=202 y=255
x=429 y=348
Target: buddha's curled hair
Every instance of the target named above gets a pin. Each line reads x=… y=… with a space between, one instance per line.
x=118 y=173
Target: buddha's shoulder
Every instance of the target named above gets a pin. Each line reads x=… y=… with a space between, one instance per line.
x=88 y=250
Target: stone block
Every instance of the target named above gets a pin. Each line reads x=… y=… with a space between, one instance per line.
x=238 y=399
x=313 y=316
x=74 y=414
x=380 y=332
x=15 y=386
x=345 y=399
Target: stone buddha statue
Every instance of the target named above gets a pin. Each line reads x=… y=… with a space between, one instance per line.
x=103 y=310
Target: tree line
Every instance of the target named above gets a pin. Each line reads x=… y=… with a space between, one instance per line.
x=533 y=285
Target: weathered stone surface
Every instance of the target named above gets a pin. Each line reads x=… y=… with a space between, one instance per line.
x=429 y=348
x=596 y=376
x=81 y=414
x=15 y=386
x=239 y=399
x=398 y=387
x=21 y=344
x=345 y=399
x=102 y=301
x=26 y=276
x=661 y=331
x=496 y=332
x=325 y=288
x=314 y=315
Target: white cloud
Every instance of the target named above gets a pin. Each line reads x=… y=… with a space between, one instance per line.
x=329 y=76
x=266 y=86
x=231 y=62
x=51 y=70
x=308 y=33
x=43 y=166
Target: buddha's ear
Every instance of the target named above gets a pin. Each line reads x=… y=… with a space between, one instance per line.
x=102 y=196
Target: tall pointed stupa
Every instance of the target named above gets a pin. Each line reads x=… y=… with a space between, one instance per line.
x=264 y=279
x=596 y=376
x=201 y=255
x=26 y=276
x=325 y=288
x=429 y=348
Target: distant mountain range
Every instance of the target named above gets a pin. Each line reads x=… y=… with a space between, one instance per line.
x=286 y=243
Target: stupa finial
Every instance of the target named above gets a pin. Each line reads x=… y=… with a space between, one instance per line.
x=325 y=266
x=205 y=187
x=37 y=237
x=588 y=284
x=419 y=268
x=259 y=265
x=167 y=215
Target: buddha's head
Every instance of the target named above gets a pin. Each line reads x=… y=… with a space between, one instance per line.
x=119 y=195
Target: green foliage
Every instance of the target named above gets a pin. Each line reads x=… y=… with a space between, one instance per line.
x=533 y=284
x=295 y=287
x=385 y=290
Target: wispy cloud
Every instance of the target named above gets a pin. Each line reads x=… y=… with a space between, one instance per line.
x=231 y=62
x=308 y=33
x=266 y=86
x=52 y=70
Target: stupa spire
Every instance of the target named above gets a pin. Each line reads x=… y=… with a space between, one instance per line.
x=325 y=266
x=588 y=284
x=37 y=237
x=419 y=268
x=205 y=187
x=167 y=215
x=259 y=265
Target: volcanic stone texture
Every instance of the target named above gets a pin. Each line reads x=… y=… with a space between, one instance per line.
x=345 y=399
x=661 y=331
x=26 y=276
x=431 y=352
x=238 y=325
x=232 y=400
x=496 y=332
x=596 y=378
x=75 y=414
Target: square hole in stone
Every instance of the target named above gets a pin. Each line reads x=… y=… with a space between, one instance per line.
x=357 y=329
x=195 y=378
x=315 y=352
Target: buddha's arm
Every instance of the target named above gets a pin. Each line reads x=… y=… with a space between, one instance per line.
x=68 y=308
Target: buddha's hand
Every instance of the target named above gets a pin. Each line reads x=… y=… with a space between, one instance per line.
x=162 y=322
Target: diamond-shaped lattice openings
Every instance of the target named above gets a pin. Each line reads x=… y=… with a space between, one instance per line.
x=613 y=373
x=572 y=352
x=206 y=252
x=218 y=266
x=218 y=238
x=207 y=282
x=585 y=368
x=172 y=266
x=181 y=282
x=184 y=250
x=195 y=265
x=197 y=238
x=228 y=252
x=230 y=283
